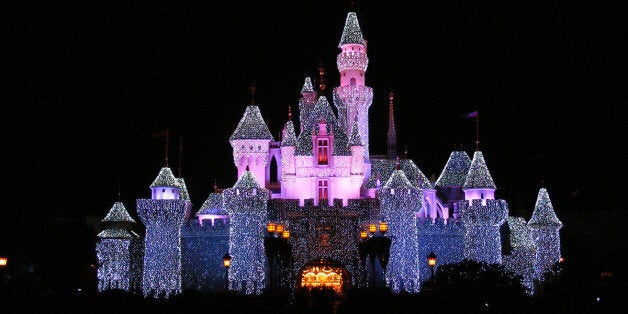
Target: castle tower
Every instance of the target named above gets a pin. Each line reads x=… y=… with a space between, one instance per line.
x=400 y=202
x=353 y=98
x=288 y=166
x=117 y=250
x=163 y=216
x=482 y=214
x=449 y=183
x=391 y=134
x=544 y=226
x=246 y=204
x=307 y=101
x=250 y=143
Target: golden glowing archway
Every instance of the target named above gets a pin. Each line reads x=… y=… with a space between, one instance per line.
x=324 y=273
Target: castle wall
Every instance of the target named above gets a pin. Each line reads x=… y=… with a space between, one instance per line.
x=444 y=238
x=203 y=248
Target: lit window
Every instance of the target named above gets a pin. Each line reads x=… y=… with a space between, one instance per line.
x=323 y=189
x=322 y=152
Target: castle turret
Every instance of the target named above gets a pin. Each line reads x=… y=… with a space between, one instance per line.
x=353 y=98
x=118 y=251
x=163 y=217
x=449 y=183
x=400 y=202
x=165 y=186
x=544 y=226
x=246 y=203
x=250 y=143
x=481 y=214
x=357 y=148
x=307 y=101
x=288 y=165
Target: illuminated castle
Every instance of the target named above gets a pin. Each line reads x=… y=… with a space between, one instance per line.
x=300 y=212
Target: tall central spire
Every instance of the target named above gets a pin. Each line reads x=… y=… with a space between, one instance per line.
x=353 y=98
x=392 y=134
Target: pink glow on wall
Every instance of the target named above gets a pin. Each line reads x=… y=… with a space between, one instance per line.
x=212 y=217
x=165 y=193
x=479 y=194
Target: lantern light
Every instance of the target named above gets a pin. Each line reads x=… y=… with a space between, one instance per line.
x=3 y=261
x=285 y=234
x=383 y=227
x=271 y=227
x=226 y=260
x=431 y=259
x=363 y=234
x=372 y=228
x=279 y=228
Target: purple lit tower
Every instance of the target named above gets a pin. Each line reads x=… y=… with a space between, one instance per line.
x=353 y=98
x=163 y=216
x=482 y=214
x=400 y=203
x=246 y=202
x=118 y=250
x=307 y=101
x=544 y=227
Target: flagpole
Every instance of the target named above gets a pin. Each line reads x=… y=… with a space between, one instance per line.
x=477 y=132
x=167 y=142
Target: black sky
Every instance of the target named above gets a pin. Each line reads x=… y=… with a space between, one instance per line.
x=85 y=84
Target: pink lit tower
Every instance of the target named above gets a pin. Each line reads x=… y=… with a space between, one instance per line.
x=353 y=98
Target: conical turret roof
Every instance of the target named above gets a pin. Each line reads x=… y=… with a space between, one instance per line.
x=398 y=180
x=252 y=126
x=307 y=86
x=165 y=178
x=479 y=177
x=290 y=138
x=247 y=180
x=183 y=189
x=118 y=213
x=456 y=170
x=544 y=214
x=213 y=205
x=117 y=234
x=351 y=34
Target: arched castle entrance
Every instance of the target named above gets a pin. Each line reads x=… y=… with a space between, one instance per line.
x=324 y=273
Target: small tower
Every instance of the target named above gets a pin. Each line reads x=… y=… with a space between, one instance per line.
x=400 y=203
x=165 y=186
x=353 y=98
x=391 y=134
x=288 y=164
x=544 y=226
x=163 y=216
x=357 y=148
x=250 y=142
x=449 y=183
x=119 y=251
x=246 y=203
x=307 y=101
x=482 y=214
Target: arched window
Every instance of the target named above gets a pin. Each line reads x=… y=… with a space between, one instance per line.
x=323 y=150
x=352 y=82
x=274 y=171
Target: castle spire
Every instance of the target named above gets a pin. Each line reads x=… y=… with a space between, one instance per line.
x=392 y=133
x=307 y=86
x=544 y=215
x=252 y=89
x=321 y=78
x=351 y=33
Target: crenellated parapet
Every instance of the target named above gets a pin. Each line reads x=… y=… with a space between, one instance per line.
x=440 y=227
x=352 y=60
x=483 y=212
x=482 y=220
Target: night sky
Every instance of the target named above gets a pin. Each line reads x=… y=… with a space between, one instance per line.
x=84 y=85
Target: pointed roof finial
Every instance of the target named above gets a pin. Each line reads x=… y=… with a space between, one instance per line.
x=289 y=113
x=392 y=134
x=215 y=185
x=247 y=168
x=405 y=151
x=252 y=89
x=321 y=77
x=397 y=166
x=307 y=86
x=180 y=154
